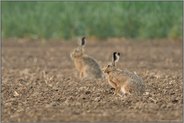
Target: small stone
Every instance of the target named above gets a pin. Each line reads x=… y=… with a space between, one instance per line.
x=15 y=94
x=174 y=101
x=87 y=92
x=146 y=93
x=97 y=99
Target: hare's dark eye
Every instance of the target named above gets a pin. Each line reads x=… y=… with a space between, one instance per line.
x=108 y=65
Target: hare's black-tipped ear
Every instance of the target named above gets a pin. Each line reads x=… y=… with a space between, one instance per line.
x=83 y=41
x=117 y=54
x=115 y=58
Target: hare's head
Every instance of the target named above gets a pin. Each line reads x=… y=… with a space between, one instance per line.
x=112 y=66
x=79 y=51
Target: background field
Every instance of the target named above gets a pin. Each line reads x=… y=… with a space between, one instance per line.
x=41 y=84
x=99 y=19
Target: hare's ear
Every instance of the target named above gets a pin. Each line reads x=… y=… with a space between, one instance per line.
x=115 y=58
x=83 y=41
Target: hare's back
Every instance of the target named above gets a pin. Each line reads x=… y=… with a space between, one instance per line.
x=90 y=61
x=135 y=81
x=92 y=66
x=133 y=76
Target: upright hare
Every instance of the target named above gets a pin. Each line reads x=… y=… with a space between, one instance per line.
x=123 y=80
x=86 y=65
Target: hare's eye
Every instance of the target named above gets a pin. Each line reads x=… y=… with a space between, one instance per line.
x=108 y=65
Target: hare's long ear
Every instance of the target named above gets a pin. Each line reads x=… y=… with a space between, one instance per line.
x=83 y=41
x=115 y=58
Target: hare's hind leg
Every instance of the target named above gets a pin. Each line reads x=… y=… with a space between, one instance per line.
x=126 y=90
x=118 y=90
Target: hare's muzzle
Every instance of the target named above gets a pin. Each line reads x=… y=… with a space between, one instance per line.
x=104 y=70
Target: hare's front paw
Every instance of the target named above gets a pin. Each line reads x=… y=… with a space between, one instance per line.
x=121 y=95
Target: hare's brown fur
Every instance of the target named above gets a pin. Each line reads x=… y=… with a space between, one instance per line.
x=86 y=65
x=124 y=80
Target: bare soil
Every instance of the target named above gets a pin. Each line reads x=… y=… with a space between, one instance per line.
x=40 y=83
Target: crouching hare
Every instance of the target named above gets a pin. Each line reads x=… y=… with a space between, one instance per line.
x=123 y=81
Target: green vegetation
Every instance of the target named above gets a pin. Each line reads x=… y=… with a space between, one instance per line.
x=100 y=19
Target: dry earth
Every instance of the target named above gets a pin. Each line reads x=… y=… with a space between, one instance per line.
x=40 y=83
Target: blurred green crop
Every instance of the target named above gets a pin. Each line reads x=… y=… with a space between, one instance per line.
x=100 y=19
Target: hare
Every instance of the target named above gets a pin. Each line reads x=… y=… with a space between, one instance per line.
x=86 y=65
x=122 y=80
